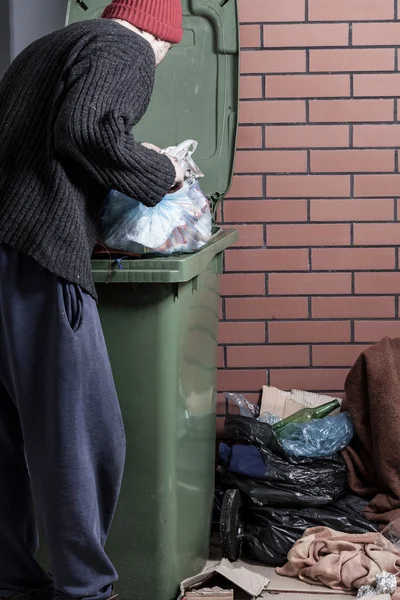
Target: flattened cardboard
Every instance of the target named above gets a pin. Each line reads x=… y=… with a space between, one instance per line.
x=283 y=404
x=210 y=594
x=250 y=581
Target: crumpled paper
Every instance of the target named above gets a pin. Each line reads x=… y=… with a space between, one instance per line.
x=385 y=583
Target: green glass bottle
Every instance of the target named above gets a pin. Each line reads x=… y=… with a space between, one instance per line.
x=305 y=415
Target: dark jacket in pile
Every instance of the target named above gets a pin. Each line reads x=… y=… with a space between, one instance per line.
x=67 y=107
x=373 y=458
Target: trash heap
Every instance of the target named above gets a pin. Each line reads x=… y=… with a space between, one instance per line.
x=288 y=474
x=306 y=489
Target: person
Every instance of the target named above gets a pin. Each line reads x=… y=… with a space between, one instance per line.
x=68 y=104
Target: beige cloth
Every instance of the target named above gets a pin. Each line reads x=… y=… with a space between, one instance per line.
x=341 y=561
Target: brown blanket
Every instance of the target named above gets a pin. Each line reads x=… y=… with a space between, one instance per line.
x=373 y=401
x=341 y=561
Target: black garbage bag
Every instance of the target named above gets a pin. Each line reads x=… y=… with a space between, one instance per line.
x=271 y=532
x=266 y=493
x=319 y=477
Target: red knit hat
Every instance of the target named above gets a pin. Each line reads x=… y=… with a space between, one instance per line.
x=161 y=18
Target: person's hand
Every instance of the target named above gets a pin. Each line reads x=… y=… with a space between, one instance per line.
x=151 y=147
x=179 y=175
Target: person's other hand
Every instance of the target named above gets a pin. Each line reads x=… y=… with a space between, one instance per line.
x=179 y=175
x=151 y=147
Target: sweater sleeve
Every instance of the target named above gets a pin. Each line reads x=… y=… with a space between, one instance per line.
x=103 y=100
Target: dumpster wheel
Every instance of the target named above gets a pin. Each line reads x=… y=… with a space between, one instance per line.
x=231 y=525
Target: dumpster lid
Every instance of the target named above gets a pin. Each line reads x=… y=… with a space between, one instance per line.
x=196 y=91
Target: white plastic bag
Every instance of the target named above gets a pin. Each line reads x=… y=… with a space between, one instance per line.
x=181 y=222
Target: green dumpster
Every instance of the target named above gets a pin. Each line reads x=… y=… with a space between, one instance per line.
x=160 y=318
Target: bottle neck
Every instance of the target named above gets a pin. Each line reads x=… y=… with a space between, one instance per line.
x=326 y=409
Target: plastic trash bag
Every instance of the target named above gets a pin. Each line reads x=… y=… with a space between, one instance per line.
x=320 y=437
x=266 y=493
x=271 y=532
x=392 y=533
x=246 y=408
x=181 y=222
x=269 y=418
x=323 y=477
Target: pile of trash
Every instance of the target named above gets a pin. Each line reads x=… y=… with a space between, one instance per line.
x=309 y=490
x=289 y=473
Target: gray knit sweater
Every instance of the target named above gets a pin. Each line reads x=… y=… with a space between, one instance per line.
x=67 y=107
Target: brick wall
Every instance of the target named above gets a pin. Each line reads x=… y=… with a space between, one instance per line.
x=314 y=278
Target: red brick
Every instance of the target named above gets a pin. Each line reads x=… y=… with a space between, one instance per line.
x=308 y=235
x=302 y=332
x=250 y=36
x=373 y=331
x=350 y=10
x=309 y=186
x=306 y=35
x=246 y=187
x=250 y=236
x=349 y=259
x=307 y=136
x=238 y=381
x=384 y=84
x=273 y=61
x=352 y=161
x=220 y=432
x=270 y=161
x=336 y=356
x=376 y=34
x=377 y=283
x=241 y=333
x=376 y=136
x=351 y=59
x=353 y=307
x=308 y=284
x=251 y=87
x=265 y=211
x=377 y=234
x=311 y=86
x=221 y=406
x=377 y=185
x=352 y=210
x=221 y=357
x=266 y=260
x=271 y=11
x=266 y=308
x=308 y=379
x=351 y=111
x=268 y=356
x=243 y=284
x=249 y=137
x=273 y=111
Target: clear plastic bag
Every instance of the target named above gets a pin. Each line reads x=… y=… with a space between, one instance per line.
x=319 y=437
x=181 y=222
x=392 y=533
x=269 y=418
x=246 y=408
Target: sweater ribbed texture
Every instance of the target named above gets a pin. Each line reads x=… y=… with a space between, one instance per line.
x=67 y=107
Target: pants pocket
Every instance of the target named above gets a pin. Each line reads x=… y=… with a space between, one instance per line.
x=72 y=305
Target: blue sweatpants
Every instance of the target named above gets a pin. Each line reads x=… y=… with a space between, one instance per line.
x=62 y=442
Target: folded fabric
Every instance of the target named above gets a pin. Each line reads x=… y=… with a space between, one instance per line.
x=341 y=561
x=373 y=457
x=243 y=460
